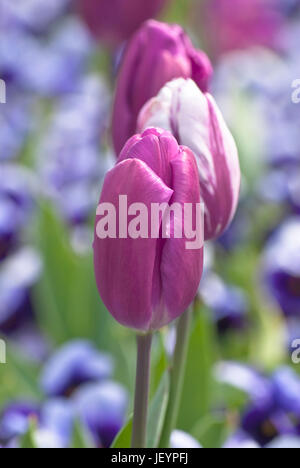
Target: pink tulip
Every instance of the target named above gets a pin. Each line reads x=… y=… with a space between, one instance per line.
x=157 y=54
x=243 y=24
x=196 y=122
x=147 y=282
x=114 y=21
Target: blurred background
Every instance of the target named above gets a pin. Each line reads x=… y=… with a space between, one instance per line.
x=70 y=367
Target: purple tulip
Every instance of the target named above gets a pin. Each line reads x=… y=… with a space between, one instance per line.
x=157 y=54
x=103 y=409
x=114 y=21
x=76 y=363
x=148 y=281
x=196 y=122
x=246 y=23
x=281 y=267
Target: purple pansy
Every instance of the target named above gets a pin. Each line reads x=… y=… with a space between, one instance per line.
x=102 y=408
x=273 y=410
x=17 y=275
x=75 y=363
x=229 y=304
x=281 y=267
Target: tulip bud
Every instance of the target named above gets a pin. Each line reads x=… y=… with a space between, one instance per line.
x=196 y=122
x=147 y=278
x=157 y=54
x=114 y=21
x=247 y=23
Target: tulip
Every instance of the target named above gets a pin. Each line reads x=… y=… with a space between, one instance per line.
x=196 y=122
x=147 y=282
x=157 y=54
x=114 y=21
x=246 y=23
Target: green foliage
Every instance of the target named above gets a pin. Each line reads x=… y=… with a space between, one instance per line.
x=157 y=412
x=123 y=439
x=197 y=392
x=28 y=440
x=18 y=377
x=81 y=439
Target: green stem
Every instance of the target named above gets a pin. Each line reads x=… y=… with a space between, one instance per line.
x=139 y=430
x=177 y=377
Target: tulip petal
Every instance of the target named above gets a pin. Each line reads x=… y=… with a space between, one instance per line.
x=195 y=120
x=125 y=267
x=181 y=269
x=154 y=147
x=157 y=53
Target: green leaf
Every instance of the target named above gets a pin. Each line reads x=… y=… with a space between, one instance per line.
x=67 y=300
x=28 y=440
x=212 y=431
x=80 y=439
x=19 y=377
x=157 y=412
x=197 y=392
x=123 y=439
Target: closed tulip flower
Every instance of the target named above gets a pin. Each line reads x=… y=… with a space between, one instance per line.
x=158 y=53
x=114 y=21
x=196 y=122
x=246 y=24
x=147 y=280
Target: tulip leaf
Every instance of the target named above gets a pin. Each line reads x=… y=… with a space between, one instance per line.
x=123 y=439
x=157 y=412
x=67 y=301
x=212 y=431
x=197 y=392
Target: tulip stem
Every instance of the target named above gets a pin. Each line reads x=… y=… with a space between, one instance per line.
x=177 y=374
x=139 y=430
